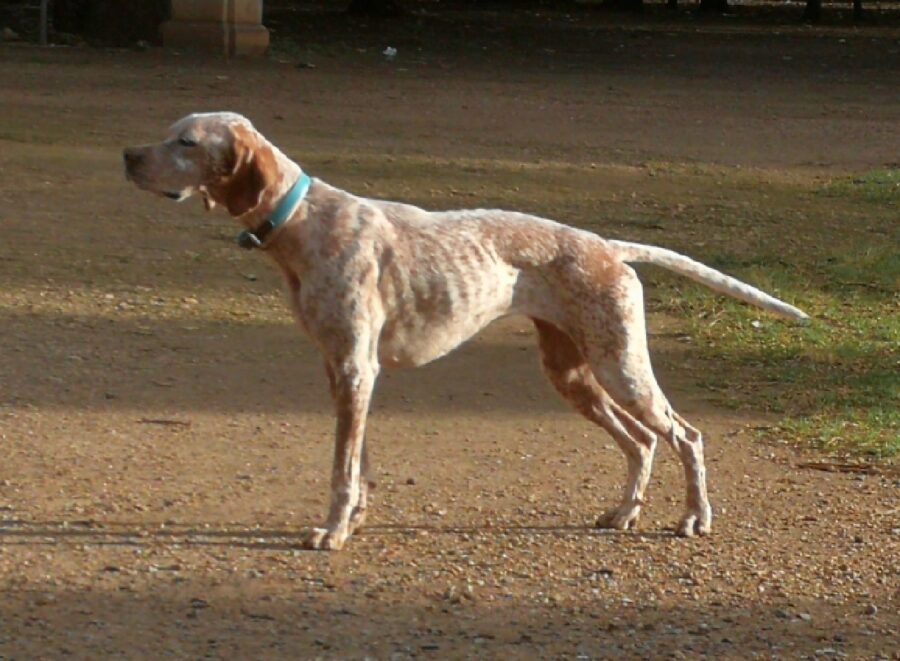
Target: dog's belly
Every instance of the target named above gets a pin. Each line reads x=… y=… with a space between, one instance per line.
x=429 y=314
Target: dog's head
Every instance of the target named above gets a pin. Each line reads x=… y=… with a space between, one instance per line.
x=219 y=155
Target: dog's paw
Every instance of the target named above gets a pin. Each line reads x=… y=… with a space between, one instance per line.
x=695 y=523
x=624 y=517
x=322 y=539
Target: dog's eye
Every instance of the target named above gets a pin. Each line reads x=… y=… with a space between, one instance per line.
x=187 y=142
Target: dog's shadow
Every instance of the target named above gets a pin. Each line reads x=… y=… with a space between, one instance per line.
x=15 y=532
x=240 y=366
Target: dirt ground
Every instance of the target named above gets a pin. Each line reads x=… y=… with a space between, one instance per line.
x=166 y=432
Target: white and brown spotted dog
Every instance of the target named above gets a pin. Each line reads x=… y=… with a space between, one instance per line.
x=383 y=284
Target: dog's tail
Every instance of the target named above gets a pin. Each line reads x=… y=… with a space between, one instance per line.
x=725 y=284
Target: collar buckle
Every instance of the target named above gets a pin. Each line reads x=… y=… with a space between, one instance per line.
x=248 y=240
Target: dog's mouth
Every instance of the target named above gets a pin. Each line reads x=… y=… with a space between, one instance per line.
x=177 y=195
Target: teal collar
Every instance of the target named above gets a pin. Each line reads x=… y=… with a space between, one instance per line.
x=282 y=212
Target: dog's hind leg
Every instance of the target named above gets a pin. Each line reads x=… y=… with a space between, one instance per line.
x=618 y=356
x=568 y=371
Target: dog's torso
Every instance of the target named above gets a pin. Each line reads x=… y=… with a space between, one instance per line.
x=428 y=280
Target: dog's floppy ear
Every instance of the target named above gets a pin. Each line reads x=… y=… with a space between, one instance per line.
x=251 y=168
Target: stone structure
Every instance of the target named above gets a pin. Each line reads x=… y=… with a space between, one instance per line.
x=230 y=27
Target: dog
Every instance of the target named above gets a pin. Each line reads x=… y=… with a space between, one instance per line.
x=383 y=284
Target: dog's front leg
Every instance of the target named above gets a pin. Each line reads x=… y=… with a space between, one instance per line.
x=353 y=381
x=366 y=484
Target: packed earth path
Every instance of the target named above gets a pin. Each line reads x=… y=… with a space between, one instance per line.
x=166 y=431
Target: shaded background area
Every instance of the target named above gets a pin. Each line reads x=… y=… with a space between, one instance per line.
x=330 y=615
x=131 y=22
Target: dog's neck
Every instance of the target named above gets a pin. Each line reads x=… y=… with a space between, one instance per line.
x=286 y=174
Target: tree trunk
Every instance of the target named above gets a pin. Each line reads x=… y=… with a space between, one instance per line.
x=857 y=9
x=45 y=20
x=375 y=8
x=68 y=15
x=625 y=5
x=813 y=11
x=714 y=6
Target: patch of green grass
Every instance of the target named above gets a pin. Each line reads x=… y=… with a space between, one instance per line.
x=836 y=381
x=879 y=185
x=872 y=270
x=873 y=432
